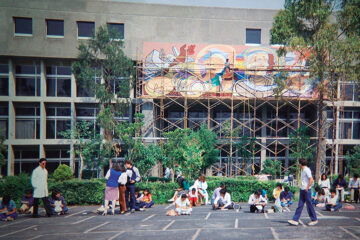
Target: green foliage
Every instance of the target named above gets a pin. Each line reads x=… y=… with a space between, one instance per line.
x=147 y=157
x=353 y=160
x=272 y=167
x=86 y=192
x=63 y=172
x=246 y=149
x=207 y=141
x=3 y=149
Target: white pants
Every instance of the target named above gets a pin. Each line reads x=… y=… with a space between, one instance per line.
x=183 y=211
x=342 y=193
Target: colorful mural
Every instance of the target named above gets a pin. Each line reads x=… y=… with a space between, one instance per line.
x=222 y=70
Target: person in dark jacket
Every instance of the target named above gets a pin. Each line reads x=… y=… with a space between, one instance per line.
x=340 y=186
x=133 y=178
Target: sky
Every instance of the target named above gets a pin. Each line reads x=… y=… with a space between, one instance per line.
x=260 y=4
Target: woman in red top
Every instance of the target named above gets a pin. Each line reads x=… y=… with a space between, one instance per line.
x=146 y=199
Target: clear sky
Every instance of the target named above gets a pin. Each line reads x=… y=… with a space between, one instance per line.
x=261 y=4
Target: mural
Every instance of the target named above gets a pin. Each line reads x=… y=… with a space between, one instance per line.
x=223 y=71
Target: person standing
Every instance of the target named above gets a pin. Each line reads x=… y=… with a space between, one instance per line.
x=305 y=196
x=112 y=187
x=39 y=179
x=122 y=189
x=133 y=177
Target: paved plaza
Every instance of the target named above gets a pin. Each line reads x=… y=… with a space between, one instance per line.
x=83 y=223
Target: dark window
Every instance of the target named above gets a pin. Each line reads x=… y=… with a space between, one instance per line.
x=58 y=121
x=27 y=69
x=4 y=86
x=4 y=68
x=253 y=36
x=55 y=27
x=27 y=123
x=116 y=30
x=27 y=86
x=4 y=120
x=58 y=84
x=86 y=29
x=23 y=25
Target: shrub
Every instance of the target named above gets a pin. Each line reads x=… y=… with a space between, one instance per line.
x=86 y=192
x=62 y=173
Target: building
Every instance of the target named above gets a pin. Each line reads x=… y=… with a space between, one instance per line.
x=40 y=97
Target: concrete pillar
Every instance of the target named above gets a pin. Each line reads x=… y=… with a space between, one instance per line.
x=11 y=161
x=11 y=121
x=147 y=111
x=42 y=79
x=73 y=125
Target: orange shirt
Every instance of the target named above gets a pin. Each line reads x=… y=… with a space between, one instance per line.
x=147 y=198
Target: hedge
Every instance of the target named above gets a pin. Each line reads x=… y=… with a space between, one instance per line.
x=88 y=192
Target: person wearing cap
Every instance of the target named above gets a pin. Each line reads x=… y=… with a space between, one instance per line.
x=183 y=205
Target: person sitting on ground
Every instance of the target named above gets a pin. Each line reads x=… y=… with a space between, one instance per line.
x=216 y=192
x=324 y=183
x=285 y=197
x=183 y=205
x=146 y=200
x=7 y=209
x=257 y=202
x=223 y=201
x=183 y=188
x=193 y=197
x=354 y=187
x=57 y=203
x=277 y=191
x=138 y=199
x=201 y=187
x=319 y=200
x=332 y=202
x=340 y=186
x=27 y=202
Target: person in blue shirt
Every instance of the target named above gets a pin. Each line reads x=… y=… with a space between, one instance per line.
x=7 y=209
x=285 y=197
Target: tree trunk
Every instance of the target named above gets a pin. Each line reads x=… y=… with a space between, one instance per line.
x=81 y=165
x=320 y=150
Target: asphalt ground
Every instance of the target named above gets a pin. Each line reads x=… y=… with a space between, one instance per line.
x=204 y=223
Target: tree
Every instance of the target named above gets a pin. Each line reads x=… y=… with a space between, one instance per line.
x=87 y=145
x=3 y=149
x=147 y=158
x=331 y=48
x=300 y=146
x=272 y=167
x=192 y=158
x=103 y=57
x=353 y=160
x=246 y=150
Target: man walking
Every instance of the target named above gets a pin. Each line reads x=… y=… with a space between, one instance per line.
x=39 y=179
x=305 y=196
x=133 y=177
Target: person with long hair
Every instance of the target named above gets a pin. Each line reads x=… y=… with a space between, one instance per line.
x=324 y=183
x=201 y=186
x=7 y=209
x=112 y=187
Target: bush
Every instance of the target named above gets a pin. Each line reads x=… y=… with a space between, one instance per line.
x=62 y=173
x=86 y=192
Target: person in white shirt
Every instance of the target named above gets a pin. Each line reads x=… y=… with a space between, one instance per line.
x=257 y=202
x=183 y=205
x=324 y=183
x=332 y=201
x=223 y=201
x=354 y=186
x=39 y=179
x=201 y=186
x=305 y=196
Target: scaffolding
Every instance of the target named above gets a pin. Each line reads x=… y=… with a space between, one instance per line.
x=267 y=118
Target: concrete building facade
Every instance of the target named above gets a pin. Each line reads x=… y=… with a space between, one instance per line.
x=39 y=42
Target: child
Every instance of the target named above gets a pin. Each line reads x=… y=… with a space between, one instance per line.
x=285 y=197
x=319 y=199
x=277 y=191
x=257 y=202
x=27 y=202
x=332 y=201
x=146 y=201
x=223 y=201
x=183 y=205
x=57 y=203
x=193 y=197
x=7 y=209
x=138 y=199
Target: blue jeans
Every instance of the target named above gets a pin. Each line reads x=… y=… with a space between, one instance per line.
x=305 y=197
x=288 y=203
x=337 y=207
x=130 y=189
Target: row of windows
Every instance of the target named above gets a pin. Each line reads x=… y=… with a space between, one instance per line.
x=58 y=82
x=23 y=26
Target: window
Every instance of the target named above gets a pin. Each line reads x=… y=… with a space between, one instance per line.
x=4 y=80
x=350 y=91
x=23 y=26
x=116 y=30
x=86 y=29
x=27 y=122
x=83 y=91
x=58 y=81
x=4 y=119
x=55 y=27
x=27 y=80
x=56 y=155
x=26 y=158
x=121 y=87
x=253 y=36
x=58 y=120
x=85 y=112
x=349 y=124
